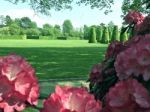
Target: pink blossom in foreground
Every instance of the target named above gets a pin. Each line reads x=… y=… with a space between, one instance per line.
x=145 y=26
x=128 y=96
x=114 y=49
x=71 y=99
x=96 y=73
x=22 y=86
x=135 y=60
x=134 y=17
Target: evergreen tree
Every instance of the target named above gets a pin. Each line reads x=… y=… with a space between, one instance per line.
x=92 y=38
x=99 y=32
x=115 y=34
x=123 y=37
x=105 y=37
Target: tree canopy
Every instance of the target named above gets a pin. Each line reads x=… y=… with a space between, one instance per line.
x=44 y=6
x=137 y=5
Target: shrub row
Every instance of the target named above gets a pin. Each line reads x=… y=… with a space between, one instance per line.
x=18 y=37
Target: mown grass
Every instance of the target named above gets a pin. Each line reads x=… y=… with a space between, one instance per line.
x=56 y=59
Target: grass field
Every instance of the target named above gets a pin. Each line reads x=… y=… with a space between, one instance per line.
x=56 y=59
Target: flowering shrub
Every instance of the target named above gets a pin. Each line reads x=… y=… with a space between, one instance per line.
x=122 y=80
x=134 y=17
x=18 y=84
x=120 y=83
x=71 y=99
x=128 y=96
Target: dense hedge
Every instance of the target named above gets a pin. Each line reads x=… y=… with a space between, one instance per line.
x=32 y=36
x=62 y=38
x=17 y=37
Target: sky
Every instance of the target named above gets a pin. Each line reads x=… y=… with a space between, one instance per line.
x=79 y=16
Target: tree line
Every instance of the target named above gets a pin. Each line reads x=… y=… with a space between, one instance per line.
x=25 y=26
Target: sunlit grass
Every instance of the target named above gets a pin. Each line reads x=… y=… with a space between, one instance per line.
x=56 y=59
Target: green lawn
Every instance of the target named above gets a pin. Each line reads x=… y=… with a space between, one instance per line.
x=56 y=59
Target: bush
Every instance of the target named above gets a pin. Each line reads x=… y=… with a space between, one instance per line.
x=105 y=37
x=17 y=37
x=92 y=38
x=73 y=38
x=32 y=37
x=115 y=34
x=46 y=38
x=62 y=38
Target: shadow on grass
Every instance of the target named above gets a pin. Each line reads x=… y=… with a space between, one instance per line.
x=57 y=62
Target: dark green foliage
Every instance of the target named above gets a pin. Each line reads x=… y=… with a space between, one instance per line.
x=62 y=38
x=8 y=20
x=47 y=30
x=115 y=34
x=105 y=37
x=67 y=27
x=109 y=80
x=32 y=37
x=123 y=37
x=32 y=31
x=92 y=38
x=14 y=29
x=99 y=33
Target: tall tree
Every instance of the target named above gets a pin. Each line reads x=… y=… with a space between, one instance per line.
x=67 y=27
x=48 y=30
x=26 y=22
x=8 y=20
x=99 y=33
x=92 y=38
x=105 y=37
x=115 y=34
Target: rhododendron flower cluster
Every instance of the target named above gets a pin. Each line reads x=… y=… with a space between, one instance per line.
x=120 y=83
x=96 y=73
x=128 y=96
x=71 y=99
x=135 y=60
x=126 y=87
x=18 y=84
x=145 y=26
x=114 y=49
x=134 y=17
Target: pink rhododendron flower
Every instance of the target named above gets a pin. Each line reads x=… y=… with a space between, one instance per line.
x=20 y=83
x=145 y=26
x=96 y=73
x=134 y=17
x=135 y=60
x=71 y=99
x=128 y=96
x=114 y=49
